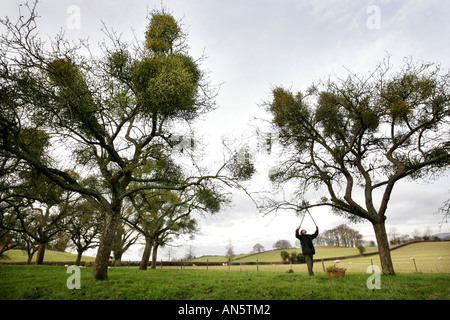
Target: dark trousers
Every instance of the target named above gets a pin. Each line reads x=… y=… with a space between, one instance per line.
x=309 y=263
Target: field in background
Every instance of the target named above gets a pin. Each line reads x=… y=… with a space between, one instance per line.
x=322 y=252
x=21 y=256
x=428 y=257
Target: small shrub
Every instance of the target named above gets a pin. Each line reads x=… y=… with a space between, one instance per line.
x=293 y=257
x=361 y=249
x=284 y=255
x=301 y=258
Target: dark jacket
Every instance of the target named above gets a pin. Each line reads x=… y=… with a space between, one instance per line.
x=306 y=241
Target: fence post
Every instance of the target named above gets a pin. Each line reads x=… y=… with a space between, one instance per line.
x=414 y=260
x=257 y=265
x=207 y=264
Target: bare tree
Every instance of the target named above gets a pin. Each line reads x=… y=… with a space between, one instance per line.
x=258 y=248
x=282 y=244
x=190 y=254
x=230 y=250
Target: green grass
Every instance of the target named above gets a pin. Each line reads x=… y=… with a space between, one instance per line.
x=49 y=283
x=241 y=282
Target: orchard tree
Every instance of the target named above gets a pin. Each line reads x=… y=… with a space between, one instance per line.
x=361 y=135
x=84 y=227
x=38 y=207
x=161 y=215
x=105 y=116
x=8 y=238
x=124 y=239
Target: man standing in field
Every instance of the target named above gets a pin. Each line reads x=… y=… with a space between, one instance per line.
x=307 y=247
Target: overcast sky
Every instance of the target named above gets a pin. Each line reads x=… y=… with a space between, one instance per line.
x=253 y=45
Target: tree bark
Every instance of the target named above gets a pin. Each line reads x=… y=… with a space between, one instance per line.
x=79 y=255
x=383 y=247
x=40 y=253
x=146 y=254
x=154 y=254
x=100 y=270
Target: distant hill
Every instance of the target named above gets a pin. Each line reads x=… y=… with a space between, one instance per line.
x=20 y=256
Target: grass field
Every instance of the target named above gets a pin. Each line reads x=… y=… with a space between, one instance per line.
x=49 y=283
x=241 y=282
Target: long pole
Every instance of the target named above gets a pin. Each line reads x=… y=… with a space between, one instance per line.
x=312 y=218
x=302 y=219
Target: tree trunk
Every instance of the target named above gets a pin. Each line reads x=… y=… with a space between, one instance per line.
x=79 y=255
x=154 y=254
x=30 y=257
x=40 y=253
x=383 y=247
x=146 y=254
x=118 y=262
x=100 y=270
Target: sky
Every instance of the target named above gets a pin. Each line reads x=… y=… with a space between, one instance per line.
x=253 y=45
